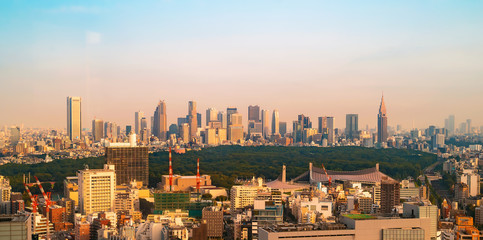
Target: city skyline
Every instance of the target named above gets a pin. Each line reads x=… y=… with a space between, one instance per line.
x=284 y=55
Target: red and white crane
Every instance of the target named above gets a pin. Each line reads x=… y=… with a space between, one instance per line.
x=327 y=175
x=198 y=180
x=47 y=205
x=170 y=172
x=34 y=202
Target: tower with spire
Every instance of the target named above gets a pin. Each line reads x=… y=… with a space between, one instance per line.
x=382 y=122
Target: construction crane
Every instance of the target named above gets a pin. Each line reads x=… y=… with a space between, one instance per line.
x=198 y=180
x=327 y=175
x=34 y=202
x=170 y=172
x=47 y=205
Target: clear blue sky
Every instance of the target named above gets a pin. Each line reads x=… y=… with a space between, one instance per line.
x=312 y=57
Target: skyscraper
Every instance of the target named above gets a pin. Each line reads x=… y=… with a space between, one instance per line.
x=283 y=128
x=265 y=123
x=229 y=112
x=382 y=123
x=14 y=135
x=144 y=124
x=211 y=115
x=222 y=118
x=468 y=126
x=192 y=119
x=160 y=126
x=96 y=189
x=131 y=163
x=322 y=128
x=450 y=125
x=275 y=122
x=74 y=124
x=137 y=121
x=351 y=126
x=254 y=113
x=389 y=195
x=235 y=129
x=97 y=130
x=330 y=130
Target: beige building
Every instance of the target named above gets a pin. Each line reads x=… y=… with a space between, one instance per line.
x=5 y=189
x=97 y=189
x=183 y=183
x=359 y=227
x=71 y=189
x=74 y=124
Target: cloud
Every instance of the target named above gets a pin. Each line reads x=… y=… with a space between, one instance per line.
x=74 y=9
x=93 y=37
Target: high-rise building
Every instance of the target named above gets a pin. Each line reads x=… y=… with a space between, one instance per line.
x=199 y=119
x=74 y=124
x=192 y=119
x=389 y=195
x=254 y=113
x=14 y=135
x=222 y=118
x=322 y=128
x=450 y=125
x=110 y=130
x=382 y=123
x=184 y=132
x=214 y=220
x=282 y=128
x=96 y=189
x=144 y=123
x=351 y=126
x=97 y=130
x=275 y=122
x=131 y=162
x=160 y=126
x=265 y=123
x=423 y=209
x=302 y=123
x=330 y=130
x=128 y=129
x=468 y=126
x=235 y=129
x=137 y=121
x=211 y=115
x=229 y=112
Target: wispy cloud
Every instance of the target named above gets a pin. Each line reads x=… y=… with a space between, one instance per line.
x=74 y=9
x=93 y=37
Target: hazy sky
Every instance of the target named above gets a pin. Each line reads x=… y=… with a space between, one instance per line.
x=312 y=57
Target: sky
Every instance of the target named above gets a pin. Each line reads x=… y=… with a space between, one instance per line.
x=318 y=58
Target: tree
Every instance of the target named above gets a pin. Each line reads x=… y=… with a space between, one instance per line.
x=206 y=196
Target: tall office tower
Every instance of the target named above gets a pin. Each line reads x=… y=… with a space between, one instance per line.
x=182 y=120
x=173 y=129
x=160 y=126
x=74 y=124
x=302 y=123
x=330 y=130
x=389 y=195
x=222 y=118
x=382 y=123
x=451 y=125
x=235 y=129
x=468 y=126
x=322 y=128
x=275 y=122
x=144 y=123
x=97 y=130
x=198 y=118
x=305 y=121
x=14 y=135
x=211 y=115
x=192 y=119
x=128 y=129
x=283 y=128
x=265 y=124
x=184 y=132
x=110 y=130
x=152 y=123
x=351 y=125
x=254 y=113
x=229 y=112
x=130 y=161
x=462 y=129
x=137 y=121
x=96 y=189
